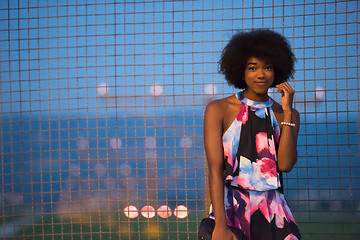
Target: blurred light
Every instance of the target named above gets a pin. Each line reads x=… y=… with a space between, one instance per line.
x=110 y=183
x=74 y=170
x=83 y=144
x=156 y=90
x=164 y=211
x=176 y=171
x=153 y=230
x=181 y=211
x=12 y=199
x=115 y=143
x=210 y=89
x=148 y=211
x=125 y=169
x=186 y=142
x=102 y=90
x=319 y=93
x=100 y=170
x=131 y=211
x=150 y=142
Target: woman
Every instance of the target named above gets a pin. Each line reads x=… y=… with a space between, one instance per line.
x=246 y=148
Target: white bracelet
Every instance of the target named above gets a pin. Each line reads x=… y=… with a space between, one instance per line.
x=288 y=124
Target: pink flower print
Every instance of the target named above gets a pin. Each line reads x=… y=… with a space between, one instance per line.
x=272 y=146
x=287 y=211
x=262 y=146
x=243 y=114
x=267 y=167
x=257 y=175
x=291 y=237
x=280 y=215
x=259 y=201
x=261 y=141
x=280 y=210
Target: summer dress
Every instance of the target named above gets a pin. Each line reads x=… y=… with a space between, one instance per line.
x=254 y=200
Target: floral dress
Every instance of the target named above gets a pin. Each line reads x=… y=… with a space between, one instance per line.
x=254 y=200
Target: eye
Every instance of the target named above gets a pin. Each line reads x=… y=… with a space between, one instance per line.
x=270 y=67
x=252 y=68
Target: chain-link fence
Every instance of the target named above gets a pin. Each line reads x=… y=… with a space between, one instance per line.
x=102 y=109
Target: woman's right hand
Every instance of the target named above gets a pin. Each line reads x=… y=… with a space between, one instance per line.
x=223 y=233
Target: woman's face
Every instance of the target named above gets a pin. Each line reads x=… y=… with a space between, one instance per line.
x=259 y=76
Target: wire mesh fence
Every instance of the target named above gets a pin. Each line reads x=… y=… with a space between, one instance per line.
x=102 y=106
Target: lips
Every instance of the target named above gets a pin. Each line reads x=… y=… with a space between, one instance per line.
x=260 y=83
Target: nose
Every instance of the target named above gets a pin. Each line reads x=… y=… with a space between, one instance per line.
x=261 y=73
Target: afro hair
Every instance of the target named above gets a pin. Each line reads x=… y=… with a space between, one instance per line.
x=264 y=44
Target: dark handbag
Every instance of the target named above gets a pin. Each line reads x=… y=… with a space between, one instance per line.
x=206 y=229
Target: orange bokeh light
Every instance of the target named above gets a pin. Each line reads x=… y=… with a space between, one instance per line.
x=181 y=211
x=148 y=211
x=164 y=211
x=131 y=211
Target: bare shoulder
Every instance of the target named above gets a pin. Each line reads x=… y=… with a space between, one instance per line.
x=215 y=104
x=222 y=112
x=220 y=106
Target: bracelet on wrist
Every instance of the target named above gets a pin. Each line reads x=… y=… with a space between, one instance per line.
x=288 y=124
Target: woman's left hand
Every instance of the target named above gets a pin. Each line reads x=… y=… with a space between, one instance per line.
x=287 y=95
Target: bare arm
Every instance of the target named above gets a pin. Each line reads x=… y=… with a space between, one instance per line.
x=214 y=155
x=287 y=153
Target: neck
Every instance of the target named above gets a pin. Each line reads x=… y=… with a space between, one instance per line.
x=255 y=97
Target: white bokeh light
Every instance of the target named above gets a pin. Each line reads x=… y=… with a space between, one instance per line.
x=181 y=211
x=74 y=170
x=176 y=171
x=124 y=169
x=210 y=89
x=83 y=144
x=319 y=93
x=100 y=170
x=115 y=143
x=103 y=90
x=150 y=142
x=186 y=142
x=156 y=90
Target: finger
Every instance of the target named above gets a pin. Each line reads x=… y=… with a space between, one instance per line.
x=281 y=85
x=288 y=87
x=279 y=88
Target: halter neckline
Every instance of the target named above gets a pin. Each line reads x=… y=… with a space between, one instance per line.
x=252 y=103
